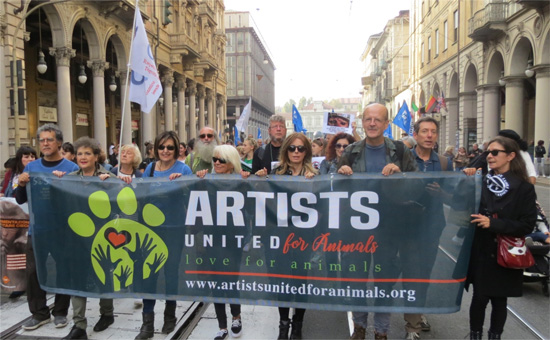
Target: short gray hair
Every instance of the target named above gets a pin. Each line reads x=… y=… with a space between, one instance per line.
x=50 y=127
x=278 y=119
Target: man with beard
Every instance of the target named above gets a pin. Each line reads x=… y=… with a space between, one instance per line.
x=201 y=157
x=267 y=154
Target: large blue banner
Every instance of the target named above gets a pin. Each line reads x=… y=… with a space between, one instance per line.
x=364 y=242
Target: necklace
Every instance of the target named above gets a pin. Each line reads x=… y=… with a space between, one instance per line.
x=160 y=166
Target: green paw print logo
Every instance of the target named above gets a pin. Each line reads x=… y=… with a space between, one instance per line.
x=124 y=252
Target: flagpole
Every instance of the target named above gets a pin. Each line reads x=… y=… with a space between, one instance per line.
x=127 y=87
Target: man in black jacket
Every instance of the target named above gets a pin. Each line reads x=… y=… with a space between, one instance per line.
x=265 y=156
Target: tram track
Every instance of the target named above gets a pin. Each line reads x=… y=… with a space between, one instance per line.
x=511 y=311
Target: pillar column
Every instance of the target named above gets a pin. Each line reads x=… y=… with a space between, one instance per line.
x=147 y=127
x=126 y=113
x=63 y=57
x=491 y=107
x=452 y=109
x=201 y=94
x=100 y=128
x=210 y=108
x=542 y=103
x=4 y=108
x=182 y=121
x=514 y=105
x=167 y=82
x=192 y=90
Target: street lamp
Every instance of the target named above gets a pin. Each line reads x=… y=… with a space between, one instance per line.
x=112 y=85
x=14 y=69
x=501 y=80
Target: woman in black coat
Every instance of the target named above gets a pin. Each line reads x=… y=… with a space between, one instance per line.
x=507 y=207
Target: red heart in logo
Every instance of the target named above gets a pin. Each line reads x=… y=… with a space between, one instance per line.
x=117 y=239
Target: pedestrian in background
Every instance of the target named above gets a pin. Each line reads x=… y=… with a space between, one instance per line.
x=540 y=151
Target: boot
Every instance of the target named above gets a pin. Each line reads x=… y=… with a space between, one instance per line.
x=147 y=330
x=169 y=319
x=358 y=332
x=284 y=326
x=296 y=333
x=476 y=335
x=493 y=335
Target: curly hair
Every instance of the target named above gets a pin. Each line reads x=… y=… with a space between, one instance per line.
x=284 y=160
x=330 y=152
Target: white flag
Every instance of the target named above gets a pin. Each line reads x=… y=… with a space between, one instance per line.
x=145 y=86
x=242 y=123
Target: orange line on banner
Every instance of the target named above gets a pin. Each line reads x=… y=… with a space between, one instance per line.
x=322 y=278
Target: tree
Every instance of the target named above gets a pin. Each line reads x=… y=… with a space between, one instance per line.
x=335 y=103
x=303 y=103
x=288 y=106
x=310 y=100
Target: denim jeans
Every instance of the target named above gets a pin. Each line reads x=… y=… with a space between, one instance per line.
x=381 y=321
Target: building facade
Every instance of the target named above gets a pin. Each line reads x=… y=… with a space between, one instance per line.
x=386 y=65
x=93 y=39
x=489 y=60
x=250 y=73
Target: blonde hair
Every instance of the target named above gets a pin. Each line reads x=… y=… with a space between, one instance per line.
x=137 y=154
x=230 y=154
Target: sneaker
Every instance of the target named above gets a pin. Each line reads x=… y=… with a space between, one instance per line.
x=358 y=333
x=222 y=334
x=33 y=323
x=424 y=324
x=412 y=336
x=236 y=328
x=60 y=321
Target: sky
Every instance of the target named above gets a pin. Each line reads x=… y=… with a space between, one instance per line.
x=316 y=45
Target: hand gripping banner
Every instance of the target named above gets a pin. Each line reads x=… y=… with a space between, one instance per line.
x=362 y=243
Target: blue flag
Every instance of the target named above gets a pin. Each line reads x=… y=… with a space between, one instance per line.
x=297 y=120
x=236 y=135
x=259 y=134
x=403 y=118
x=388 y=133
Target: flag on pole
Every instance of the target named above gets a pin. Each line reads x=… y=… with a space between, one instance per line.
x=414 y=107
x=431 y=105
x=145 y=85
x=259 y=133
x=403 y=118
x=387 y=132
x=236 y=135
x=242 y=123
x=297 y=120
x=441 y=102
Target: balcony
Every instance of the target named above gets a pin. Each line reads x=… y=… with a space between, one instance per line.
x=206 y=11
x=366 y=80
x=182 y=44
x=488 y=23
x=387 y=94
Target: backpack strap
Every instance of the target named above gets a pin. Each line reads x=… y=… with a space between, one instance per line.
x=152 y=171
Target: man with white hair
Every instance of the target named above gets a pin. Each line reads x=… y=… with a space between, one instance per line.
x=201 y=157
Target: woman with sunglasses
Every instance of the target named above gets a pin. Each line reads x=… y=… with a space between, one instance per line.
x=334 y=151
x=507 y=207
x=226 y=160
x=167 y=165
x=294 y=160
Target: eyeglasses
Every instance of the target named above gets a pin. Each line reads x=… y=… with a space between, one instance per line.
x=44 y=140
x=216 y=159
x=495 y=152
x=341 y=146
x=204 y=135
x=300 y=148
x=169 y=147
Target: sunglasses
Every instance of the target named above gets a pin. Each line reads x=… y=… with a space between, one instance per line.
x=300 y=148
x=495 y=152
x=216 y=159
x=204 y=135
x=341 y=146
x=169 y=147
